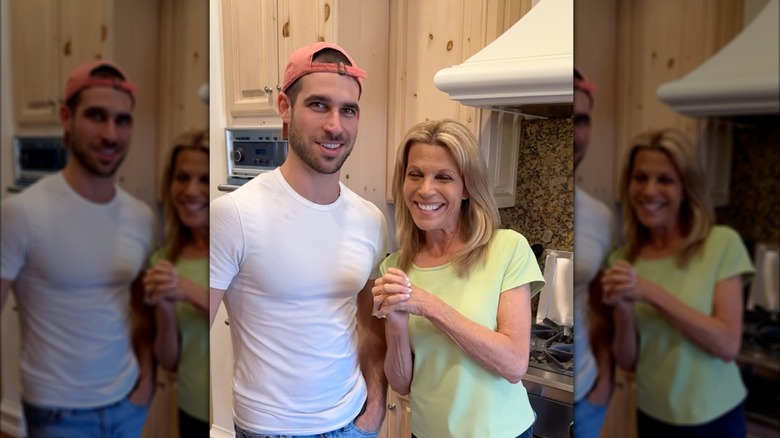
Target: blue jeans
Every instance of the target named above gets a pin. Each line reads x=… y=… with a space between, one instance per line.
x=732 y=424
x=588 y=418
x=348 y=431
x=122 y=419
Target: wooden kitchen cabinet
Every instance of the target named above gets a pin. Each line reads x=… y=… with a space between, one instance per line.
x=428 y=36
x=260 y=35
x=48 y=39
x=397 y=418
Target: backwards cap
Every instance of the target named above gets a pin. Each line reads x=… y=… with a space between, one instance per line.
x=81 y=78
x=301 y=63
x=581 y=83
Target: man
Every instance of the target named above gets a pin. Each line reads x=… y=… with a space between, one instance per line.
x=593 y=225
x=293 y=255
x=72 y=245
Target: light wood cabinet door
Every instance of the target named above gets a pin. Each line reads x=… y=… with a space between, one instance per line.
x=397 y=418
x=303 y=22
x=259 y=36
x=36 y=55
x=48 y=40
x=249 y=32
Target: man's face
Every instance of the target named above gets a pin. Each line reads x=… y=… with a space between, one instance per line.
x=581 y=125
x=324 y=120
x=98 y=131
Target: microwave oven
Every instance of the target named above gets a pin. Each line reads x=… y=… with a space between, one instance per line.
x=36 y=157
x=251 y=152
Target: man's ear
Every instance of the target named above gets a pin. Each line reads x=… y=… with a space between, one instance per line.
x=66 y=118
x=284 y=104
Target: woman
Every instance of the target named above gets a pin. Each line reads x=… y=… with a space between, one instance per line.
x=467 y=286
x=177 y=281
x=676 y=286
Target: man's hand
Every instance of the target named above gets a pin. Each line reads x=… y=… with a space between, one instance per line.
x=143 y=392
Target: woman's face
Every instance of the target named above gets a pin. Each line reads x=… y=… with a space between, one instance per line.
x=190 y=188
x=433 y=188
x=655 y=190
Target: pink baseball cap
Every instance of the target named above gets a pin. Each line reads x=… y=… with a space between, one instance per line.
x=81 y=78
x=301 y=63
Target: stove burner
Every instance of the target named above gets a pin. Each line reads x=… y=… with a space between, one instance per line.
x=552 y=347
x=762 y=331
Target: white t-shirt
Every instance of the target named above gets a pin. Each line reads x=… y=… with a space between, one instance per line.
x=72 y=262
x=292 y=270
x=593 y=225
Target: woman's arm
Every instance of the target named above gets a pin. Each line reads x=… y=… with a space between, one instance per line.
x=718 y=333
x=166 y=340
x=625 y=336
x=504 y=351
x=398 y=359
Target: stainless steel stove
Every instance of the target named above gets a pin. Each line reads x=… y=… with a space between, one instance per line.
x=549 y=380
x=759 y=362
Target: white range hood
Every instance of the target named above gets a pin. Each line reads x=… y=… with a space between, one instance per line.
x=742 y=79
x=528 y=69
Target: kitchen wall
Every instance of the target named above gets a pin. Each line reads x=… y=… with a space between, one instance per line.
x=544 y=210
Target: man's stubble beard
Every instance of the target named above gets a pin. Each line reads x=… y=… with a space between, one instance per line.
x=82 y=155
x=309 y=157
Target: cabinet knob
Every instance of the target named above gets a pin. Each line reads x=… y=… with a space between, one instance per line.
x=391 y=406
x=268 y=89
x=227 y=321
x=278 y=87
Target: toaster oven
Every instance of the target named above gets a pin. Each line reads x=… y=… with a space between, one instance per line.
x=36 y=157
x=251 y=152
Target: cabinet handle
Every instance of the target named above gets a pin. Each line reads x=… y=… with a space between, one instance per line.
x=286 y=30
x=66 y=48
x=268 y=89
x=327 y=11
x=391 y=406
x=227 y=321
x=103 y=33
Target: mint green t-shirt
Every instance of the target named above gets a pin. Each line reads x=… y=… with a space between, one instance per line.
x=192 y=373
x=451 y=394
x=678 y=382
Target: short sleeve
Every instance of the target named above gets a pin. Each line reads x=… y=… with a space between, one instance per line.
x=522 y=267
x=735 y=259
x=226 y=242
x=15 y=238
x=381 y=248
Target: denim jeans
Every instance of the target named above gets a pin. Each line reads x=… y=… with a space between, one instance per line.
x=732 y=424
x=122 y=419
x=348 y=431
x=588 y=418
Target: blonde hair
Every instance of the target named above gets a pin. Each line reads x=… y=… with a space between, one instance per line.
x=478 y=215
x=176 y=232
x=696 y=213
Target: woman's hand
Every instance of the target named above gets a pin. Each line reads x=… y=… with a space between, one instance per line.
x=620 y=283
x=393 y=286
x=161 y=282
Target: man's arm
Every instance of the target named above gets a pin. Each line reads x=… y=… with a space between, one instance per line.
x=371 y=353
x=142 y=335
x=5 y=288
x=215 y=297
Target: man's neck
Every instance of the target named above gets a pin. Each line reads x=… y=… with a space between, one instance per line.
x=316 y=187
x=99 y=190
